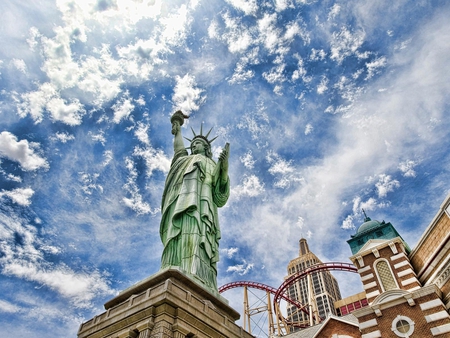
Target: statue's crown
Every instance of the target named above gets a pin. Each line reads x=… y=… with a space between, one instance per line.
x=201 y=136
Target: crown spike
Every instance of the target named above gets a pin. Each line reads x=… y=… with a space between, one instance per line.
x=201 y=129
x=187 y=139
x=211 y=141
x=193 y=132
x=209 y=132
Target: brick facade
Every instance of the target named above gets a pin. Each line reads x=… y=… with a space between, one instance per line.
x=437 y=234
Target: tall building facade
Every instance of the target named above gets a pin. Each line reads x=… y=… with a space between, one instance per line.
x=324 y=287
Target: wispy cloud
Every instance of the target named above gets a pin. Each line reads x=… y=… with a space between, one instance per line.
x=24 y=259
x=241 y=269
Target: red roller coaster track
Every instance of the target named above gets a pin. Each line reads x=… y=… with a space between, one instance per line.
x=260 y=286
x=280 y=293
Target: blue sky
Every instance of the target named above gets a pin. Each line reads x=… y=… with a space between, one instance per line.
x=329 y=107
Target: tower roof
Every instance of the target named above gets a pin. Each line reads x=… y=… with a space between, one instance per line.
x=368 y=225
x=373 y=229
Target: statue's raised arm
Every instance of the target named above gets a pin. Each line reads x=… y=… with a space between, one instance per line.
x=177 y=121
x=195 y=187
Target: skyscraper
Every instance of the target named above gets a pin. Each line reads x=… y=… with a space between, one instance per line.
x=325 y=288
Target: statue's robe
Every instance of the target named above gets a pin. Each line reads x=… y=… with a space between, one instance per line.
x=189 y=226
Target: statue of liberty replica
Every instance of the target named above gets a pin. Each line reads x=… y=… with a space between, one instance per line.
x=195 y=187
x=182 y=299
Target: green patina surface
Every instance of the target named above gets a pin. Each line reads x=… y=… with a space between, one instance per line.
x=195 y=187
x=372 y=229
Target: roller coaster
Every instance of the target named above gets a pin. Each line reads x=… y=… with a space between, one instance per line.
x=281 y=325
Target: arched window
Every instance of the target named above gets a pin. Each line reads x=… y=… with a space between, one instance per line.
x=385 y=276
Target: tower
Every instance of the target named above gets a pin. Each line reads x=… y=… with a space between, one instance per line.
x=325 y=288
x=400 y=303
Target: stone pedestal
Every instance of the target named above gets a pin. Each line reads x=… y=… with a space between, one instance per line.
x=168 y=304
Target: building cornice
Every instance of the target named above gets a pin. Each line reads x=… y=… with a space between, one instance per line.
x=369 y=248
x=383 y=301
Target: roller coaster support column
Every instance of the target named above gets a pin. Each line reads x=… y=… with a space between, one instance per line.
x=270 y=315
x=281 y=323
x=247 y=325
x=313 y=312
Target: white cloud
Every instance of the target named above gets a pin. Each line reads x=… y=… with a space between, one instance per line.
x=251 y=187
x=275 y=75
x=334 y=11
x=407 y=168
x=122 y=109
x=358 y=206
x=300 y=222
x=79 y=288
x=374 y=66
x=345 y=43
x=63 y=137
x=241 y=269
x=11 y=177
x=7 y=307
x=322 y=87
x=269 y=32
x=249 y=7
x=108 y=157
x=256 y=123
x=187 y=96
x=247 y=160
x=141 y=133
x=281 y=5
x=347 y=223
x=21 y=151
x=99 y=137
x=308 y=129
x=283 y=170
x=97 y=77
x=317 y=54
x=301 y=71
x=26 y=261
x=154 y=159
x=293 y=29
x=176 y=26
x=229 y=252
x=68 y=113
x=140 y=101
x=89 y=184
x=213 y=30
x=279 y=165
x=20 y=65
x=48 y=98
x=21 y=196
x=386 y=184
x=241 y=73
x=237 y=36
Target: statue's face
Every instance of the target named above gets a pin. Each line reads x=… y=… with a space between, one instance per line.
x=198 y=147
